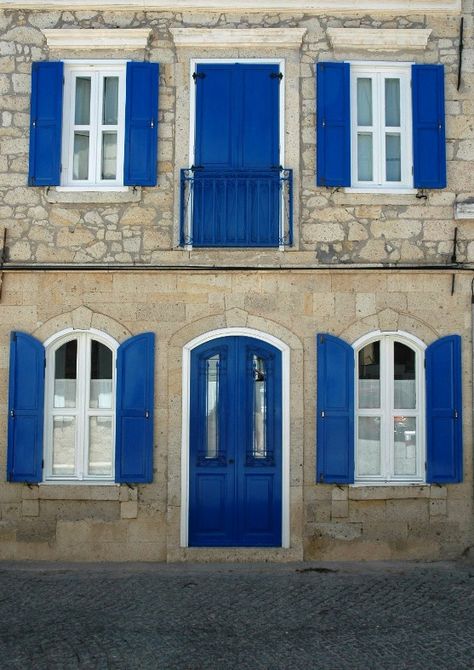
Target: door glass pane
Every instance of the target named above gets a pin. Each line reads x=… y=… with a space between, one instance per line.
x=82 y=112
x=64 y=445
x=364 y=102
x=368 y=446
x=404 y=437
x=101 y=376
x=369 y=376
x=110 y=101
x=212 y=400
x=109 y=155
x=393 y=161
x=100 y=445
x=259 y=448
x=65 y=375
x=392 y=102
x=364 y=157
x=404 y=376
x=80 y=162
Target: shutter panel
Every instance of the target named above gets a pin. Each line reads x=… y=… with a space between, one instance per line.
x=141 y=124
x=46 y=113
x=429 y=134
x=333 y=125
x=134 y=435
x=25 y=409
x=444 y=411
x=335 y=420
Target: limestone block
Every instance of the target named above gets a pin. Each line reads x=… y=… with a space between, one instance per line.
x=339 y=493
x=82 y=318
x=129 y=509
x=367 y=511
x=339 y=531
x=339 y=509
x=438 y=492
x=438 y=507
x=388 y=320
x=30 y=508
x=404 y=510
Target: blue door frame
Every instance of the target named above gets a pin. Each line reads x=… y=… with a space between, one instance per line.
x=235 y=485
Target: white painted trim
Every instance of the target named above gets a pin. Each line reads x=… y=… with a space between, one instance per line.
x=186 y=392
x=241 y=37
x=381 y=190
x=379 y=39
x=464 y=210
x=76 y=39
x=392 y=7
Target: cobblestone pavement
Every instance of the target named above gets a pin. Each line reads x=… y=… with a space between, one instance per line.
x=329 y=616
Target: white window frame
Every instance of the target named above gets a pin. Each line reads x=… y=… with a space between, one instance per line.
x=82 y=410
x=378 y=71
x=387 y=411
x=96 y=69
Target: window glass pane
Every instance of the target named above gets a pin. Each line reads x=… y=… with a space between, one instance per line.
x=404 y=436
x=80 y=161
x=82 y=112
x=368 y=446
x=259 y=449
x=393 y=157
x=212 y=399
x=101 y=376
x=100 y=445
x=64 y=445
x=369 y=376
x=364 y=157
x=65 y=375
x=110 y=101
x=392 y=102
x=109 y=155
x=364 y=102
x=404 y=376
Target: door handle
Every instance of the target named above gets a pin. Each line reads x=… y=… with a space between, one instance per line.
x=230 y=461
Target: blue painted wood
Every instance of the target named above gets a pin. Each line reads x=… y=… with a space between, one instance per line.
x=335 y=411
x=135 y=400
x=333 y=122
x=429 y=133
x=141 y=124
x=45 y=123
x=235 y=498
x=25 y=409
x=444 y=410
x=236 y=195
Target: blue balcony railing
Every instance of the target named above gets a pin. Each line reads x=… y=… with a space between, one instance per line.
x=245 y=208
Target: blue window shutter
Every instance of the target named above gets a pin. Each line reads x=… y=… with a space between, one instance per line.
x=429 y=134
x=134 y=434
x=25 y=409
x=335 y=420
x=141 y=124
x=46 y=112
x=444 y=411
x=333 y=124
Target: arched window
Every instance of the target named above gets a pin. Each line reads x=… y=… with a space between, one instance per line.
x=389 y=410
x=80 y=407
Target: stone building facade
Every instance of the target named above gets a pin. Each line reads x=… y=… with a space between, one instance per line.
x=363 y=263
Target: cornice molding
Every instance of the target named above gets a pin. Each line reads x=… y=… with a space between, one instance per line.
x=349 y=7
x=242 y=37
x=97 y=38
x=378 y=39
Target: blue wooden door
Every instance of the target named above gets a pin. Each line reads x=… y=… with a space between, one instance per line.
x=236 y=172
x=235 y=444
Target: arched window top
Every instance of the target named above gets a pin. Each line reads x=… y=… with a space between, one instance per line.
x=398 y=335
x=58 y=339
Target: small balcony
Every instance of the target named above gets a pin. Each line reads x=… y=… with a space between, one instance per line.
x=245 y=208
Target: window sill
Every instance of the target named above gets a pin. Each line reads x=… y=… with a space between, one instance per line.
x=350 y=196
x=381 y=191
x=77 y=482
x=110 y=195
x=388 y=483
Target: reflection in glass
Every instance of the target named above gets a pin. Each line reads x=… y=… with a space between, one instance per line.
x=101 y=376
x=364 y=157
x=368 y=446
x=393 y=157
x=259 y=448
x=100 y=445
x=82 y=112
x=110 y=101
x=65 y=375
x=404 y=437
x=392 y=102
x=364 y=102
x=80 y=161
x=109 y=155
x=64 y=443
x=404 y=376
x=212 y=399
x=369 y=376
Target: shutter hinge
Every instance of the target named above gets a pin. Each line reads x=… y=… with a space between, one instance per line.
x=198 y=75
x=12 y=413
x=276 y=75
x=455 y=413
x=323 y=414
x=147 y=414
